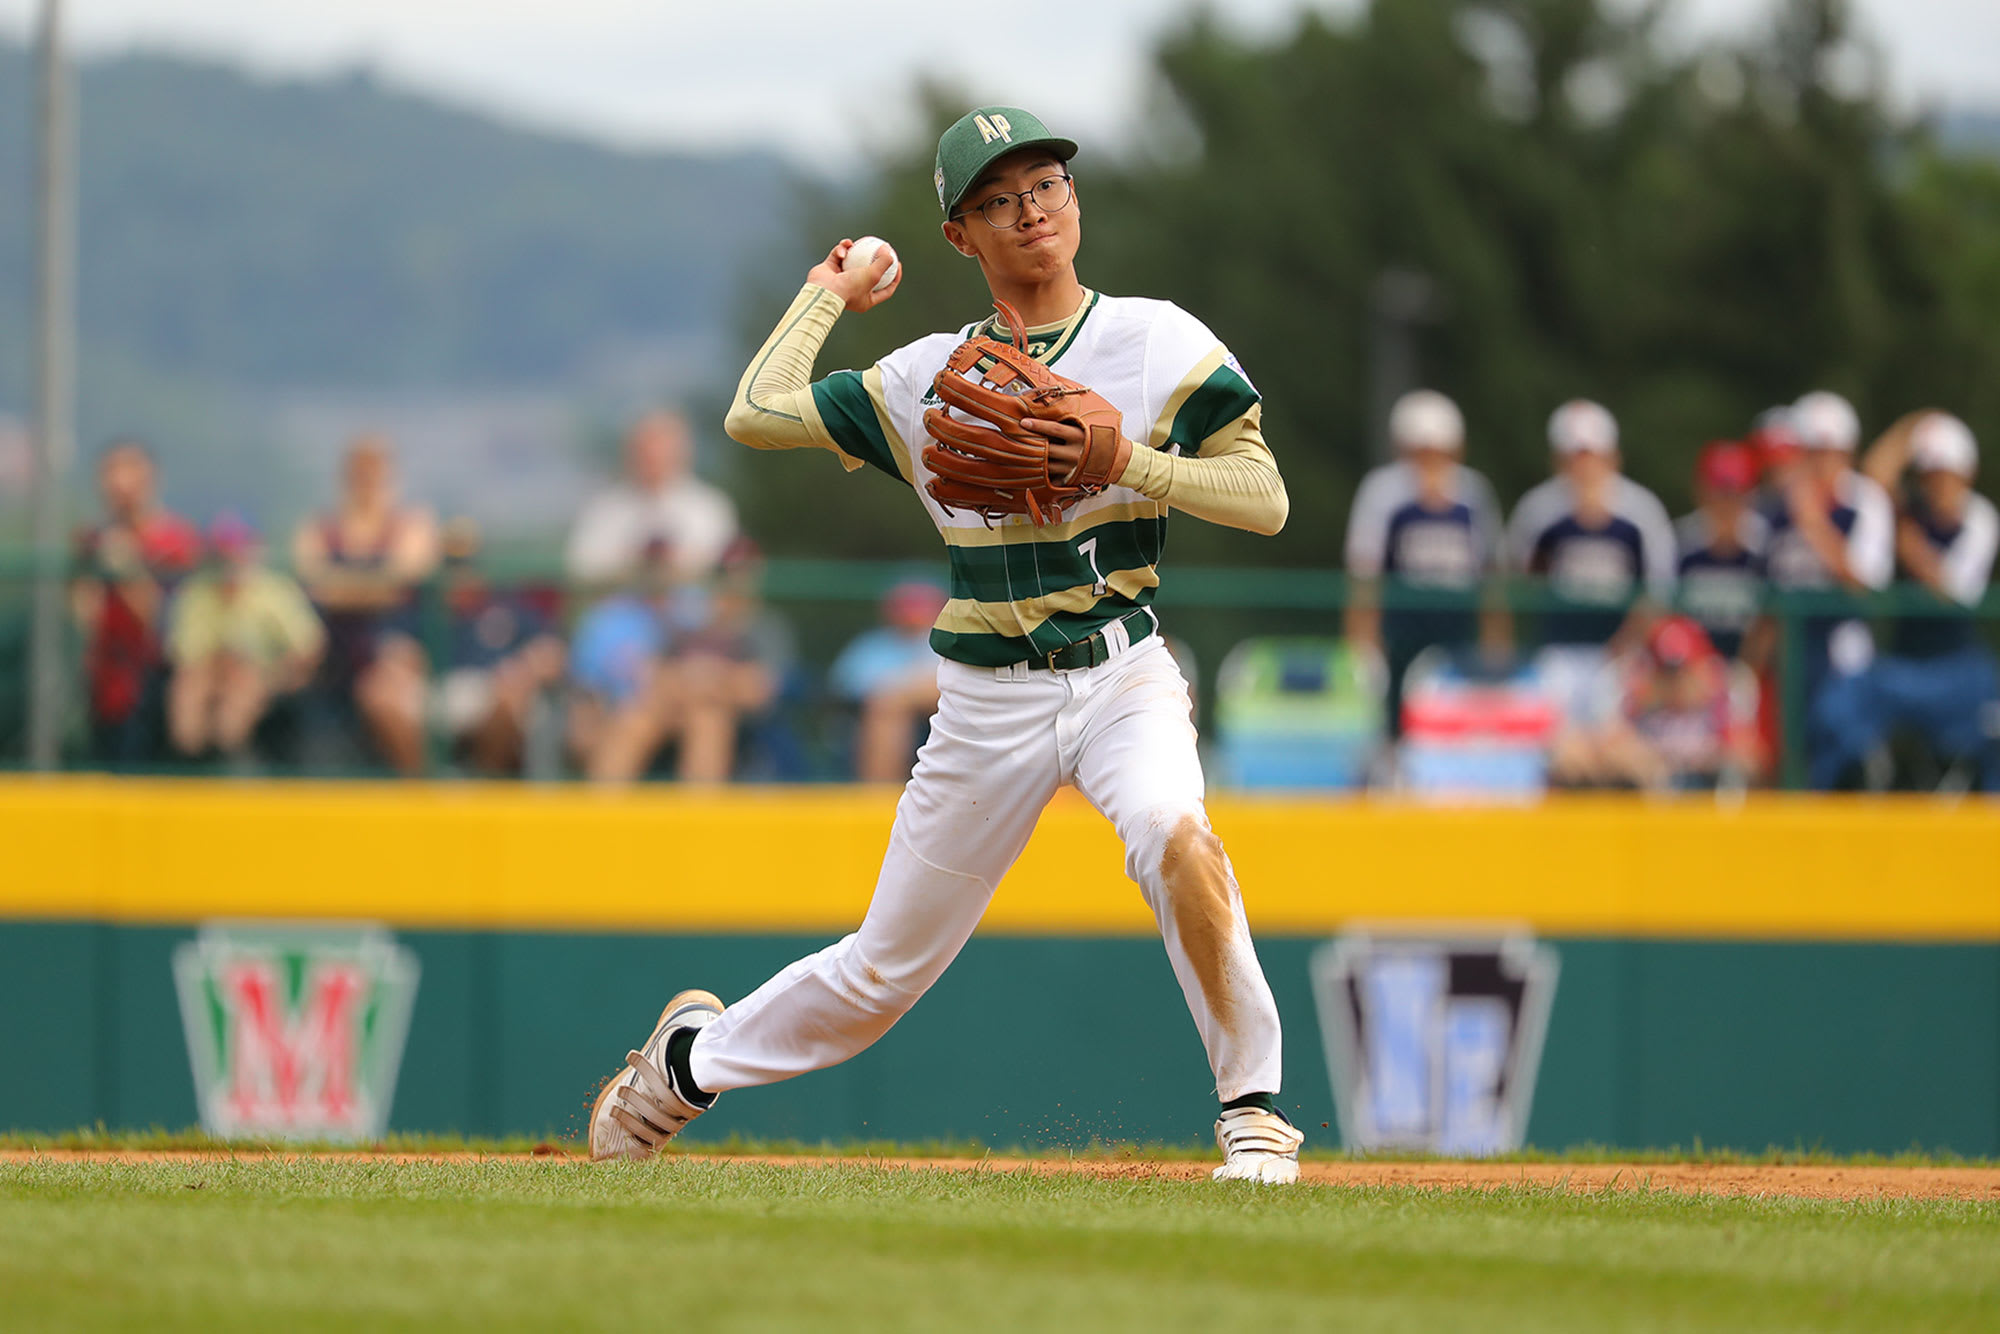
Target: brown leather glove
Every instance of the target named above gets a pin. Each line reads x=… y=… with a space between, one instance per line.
x=994 y=466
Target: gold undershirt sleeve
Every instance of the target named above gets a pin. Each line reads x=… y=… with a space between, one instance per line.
x=774 y=406
x=1234 y=481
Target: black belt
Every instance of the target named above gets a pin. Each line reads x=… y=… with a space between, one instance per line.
x=1089 y=652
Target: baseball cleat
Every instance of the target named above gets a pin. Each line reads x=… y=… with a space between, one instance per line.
x=642 y=1107
x=1257 y=1146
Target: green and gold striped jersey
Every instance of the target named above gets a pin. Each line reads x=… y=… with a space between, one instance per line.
x=1019 y=590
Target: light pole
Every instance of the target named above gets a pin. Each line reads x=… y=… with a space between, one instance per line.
x=55 y=388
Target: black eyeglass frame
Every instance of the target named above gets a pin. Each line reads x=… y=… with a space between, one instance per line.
x=1017 y=196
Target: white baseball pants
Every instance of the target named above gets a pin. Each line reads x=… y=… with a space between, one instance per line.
x=1001 y=744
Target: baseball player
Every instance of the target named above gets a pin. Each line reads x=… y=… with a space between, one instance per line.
x=1429 y=522
x=1597 y=536
x=1054 y=670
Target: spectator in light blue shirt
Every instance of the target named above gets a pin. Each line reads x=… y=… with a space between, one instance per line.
x=890 y=674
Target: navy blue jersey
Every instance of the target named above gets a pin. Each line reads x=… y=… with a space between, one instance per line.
x=1393 y=533
x=1965 y=551
x=1603 y=564
x=1860 y=511
x=1631 y=551
x=1721 y=584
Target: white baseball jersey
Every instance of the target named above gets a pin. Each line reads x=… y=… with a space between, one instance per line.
x=1019 y=590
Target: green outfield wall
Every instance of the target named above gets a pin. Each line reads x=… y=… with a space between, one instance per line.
x=1051 y=1041
x=1792 y=973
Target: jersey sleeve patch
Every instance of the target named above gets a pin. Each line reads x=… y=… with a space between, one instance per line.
x=852 y=420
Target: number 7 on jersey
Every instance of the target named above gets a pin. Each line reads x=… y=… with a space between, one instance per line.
x=1088 y=550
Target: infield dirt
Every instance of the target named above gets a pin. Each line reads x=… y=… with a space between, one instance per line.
x=1796 y=1181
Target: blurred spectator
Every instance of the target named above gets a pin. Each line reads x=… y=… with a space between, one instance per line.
x=240 y=636
x=889 y=673
x=671 y=661
x=125 y=567
x=1940 y=682
x=616 y=651
x=504 y=655
x=1832 y=530
x=1597 y=536
x=658 y=500
x=1678 y=724
x=1722 y=545
x=363 y=563
x=1428 y=522
x=1830 y=526
x=725 y=672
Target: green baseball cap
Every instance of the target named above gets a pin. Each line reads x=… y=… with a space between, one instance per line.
x=981 y=135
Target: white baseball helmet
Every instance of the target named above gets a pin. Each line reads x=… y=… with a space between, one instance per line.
x=1941 y=442
x=1426 y=419
x=1583 y=427
x=1825 y=420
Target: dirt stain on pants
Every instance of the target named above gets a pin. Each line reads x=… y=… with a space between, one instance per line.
x=1201 y=899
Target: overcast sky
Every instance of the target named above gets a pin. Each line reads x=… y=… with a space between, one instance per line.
x=778 y=73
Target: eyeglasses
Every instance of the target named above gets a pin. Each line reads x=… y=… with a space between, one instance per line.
x=1052 y=195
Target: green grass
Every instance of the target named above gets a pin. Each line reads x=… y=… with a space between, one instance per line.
x=685 y=1243
x=159 y=1140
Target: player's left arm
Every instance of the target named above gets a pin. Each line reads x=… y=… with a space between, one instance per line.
x=1230 y=479
x=1204 y=453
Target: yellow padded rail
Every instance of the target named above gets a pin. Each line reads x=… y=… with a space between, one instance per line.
x=804 y=859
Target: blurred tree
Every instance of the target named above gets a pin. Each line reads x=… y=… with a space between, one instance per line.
x=1687 y=237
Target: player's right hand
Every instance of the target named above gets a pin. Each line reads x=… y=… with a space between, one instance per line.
x=855 y=286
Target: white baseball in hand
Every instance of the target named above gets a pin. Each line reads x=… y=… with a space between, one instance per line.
x=862 y=254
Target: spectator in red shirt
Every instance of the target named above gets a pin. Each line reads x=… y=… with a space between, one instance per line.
x=1678 y=724
x=125 y=567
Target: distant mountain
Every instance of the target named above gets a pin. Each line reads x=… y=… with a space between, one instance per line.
x=1970 y=132
x=246 y=241
x=339 y=231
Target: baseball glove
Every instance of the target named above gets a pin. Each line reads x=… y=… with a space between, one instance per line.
x=993 y=465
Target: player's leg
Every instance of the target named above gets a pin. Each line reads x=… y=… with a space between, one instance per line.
x=980 y=783
x=1137 y=763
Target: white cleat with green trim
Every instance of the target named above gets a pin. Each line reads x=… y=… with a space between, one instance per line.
x=1257 y=1146
x=642 y=1107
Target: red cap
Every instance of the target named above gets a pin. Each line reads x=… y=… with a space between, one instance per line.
x=1727 y=465
x=1676 y=641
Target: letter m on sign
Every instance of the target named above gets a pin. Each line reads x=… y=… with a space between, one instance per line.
x=295 y=1031
x=293 y=1065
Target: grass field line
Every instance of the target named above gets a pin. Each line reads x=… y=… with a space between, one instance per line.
x=1796 y=1181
